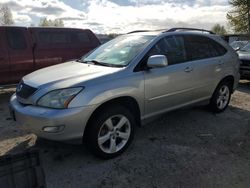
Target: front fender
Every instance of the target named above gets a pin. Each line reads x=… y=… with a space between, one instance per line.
x=97 y=94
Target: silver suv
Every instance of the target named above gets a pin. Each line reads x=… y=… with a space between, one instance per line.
x=101 y=97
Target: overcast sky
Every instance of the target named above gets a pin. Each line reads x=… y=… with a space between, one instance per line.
x=119 y=16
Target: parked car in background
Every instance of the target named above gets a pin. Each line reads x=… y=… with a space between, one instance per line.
x=237 y=45
x=244 y=56
x=101 y=97
x=23 y=50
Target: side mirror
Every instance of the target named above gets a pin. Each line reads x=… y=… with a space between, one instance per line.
x=237 y=49
x=157 y=61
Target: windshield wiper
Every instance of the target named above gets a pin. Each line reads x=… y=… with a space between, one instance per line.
x=90 y=61
x=99 y=63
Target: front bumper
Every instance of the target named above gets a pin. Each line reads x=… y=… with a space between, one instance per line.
x=34 y=119
x=245 y=72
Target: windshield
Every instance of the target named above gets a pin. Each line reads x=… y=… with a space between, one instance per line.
x=246 y=48
x=119 y=51
x=238 y=44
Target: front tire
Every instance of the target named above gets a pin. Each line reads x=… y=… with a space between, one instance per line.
x=110 y=132
x=221 y=97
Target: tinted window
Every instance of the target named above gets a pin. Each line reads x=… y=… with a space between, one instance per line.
x=16 y=39
x=219 y=48
x=80 y=37
x=172 y=47
x=83 y=37
x=199 y=47
x=48 y=37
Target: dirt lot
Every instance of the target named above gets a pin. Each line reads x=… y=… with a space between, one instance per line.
x=185 y=148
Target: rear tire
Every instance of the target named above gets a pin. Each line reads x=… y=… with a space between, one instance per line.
x=221 y=97
x=110 y=132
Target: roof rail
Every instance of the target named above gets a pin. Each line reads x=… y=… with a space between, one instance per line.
x=189 y=29
x=173 y=29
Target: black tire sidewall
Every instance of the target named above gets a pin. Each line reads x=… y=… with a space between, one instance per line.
x=97 y=122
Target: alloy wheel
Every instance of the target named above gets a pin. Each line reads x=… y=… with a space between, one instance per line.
x=223 y=97
x=114 y=134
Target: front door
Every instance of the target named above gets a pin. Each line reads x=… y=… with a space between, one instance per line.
x=169 y=87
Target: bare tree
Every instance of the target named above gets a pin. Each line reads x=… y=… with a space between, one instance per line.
x=6 y=16
x=219 y=29
x=47 y=22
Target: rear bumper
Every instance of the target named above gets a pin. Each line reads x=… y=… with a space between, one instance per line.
x=72 y=121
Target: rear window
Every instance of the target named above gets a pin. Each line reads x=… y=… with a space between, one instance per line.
x=199 y=47
x=16 y=39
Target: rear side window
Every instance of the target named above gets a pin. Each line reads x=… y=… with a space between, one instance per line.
x=16 y=39
x=172 y=47
x=200 y=47
x=80 y=37
x=62 y=38
x=52 y=38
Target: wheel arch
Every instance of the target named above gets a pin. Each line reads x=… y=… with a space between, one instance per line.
x=230 y=79
x=126 y=101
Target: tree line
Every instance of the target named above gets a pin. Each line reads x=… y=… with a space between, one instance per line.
x=6 y=18
x=238 y=17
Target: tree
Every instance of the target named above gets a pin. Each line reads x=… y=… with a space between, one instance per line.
x=239 y=16
x=219 y=29
x=47 y=22
x=6 y=16
x=58 y=23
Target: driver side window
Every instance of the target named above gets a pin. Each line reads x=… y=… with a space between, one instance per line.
x=172 y=47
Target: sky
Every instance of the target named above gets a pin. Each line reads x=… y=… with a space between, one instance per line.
x=121 y=16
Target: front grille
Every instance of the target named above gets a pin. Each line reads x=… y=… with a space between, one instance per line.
x=245 y=63
x=24 y=91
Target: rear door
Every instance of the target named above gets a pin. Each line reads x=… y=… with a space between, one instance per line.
x=4 y=59
x=19 y=48
x=206 y=56
x=52 y=46
x=169 y=87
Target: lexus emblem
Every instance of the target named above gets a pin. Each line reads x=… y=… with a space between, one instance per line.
x=19 y=87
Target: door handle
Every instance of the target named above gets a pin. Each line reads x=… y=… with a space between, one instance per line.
x=221 y=62
x=188 y=69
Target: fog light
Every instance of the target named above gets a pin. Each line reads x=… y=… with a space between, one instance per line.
x=54 y=129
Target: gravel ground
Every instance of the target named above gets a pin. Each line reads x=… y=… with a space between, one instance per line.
x=191 y=147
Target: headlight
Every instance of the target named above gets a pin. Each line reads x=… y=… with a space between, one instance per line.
x=59 y=98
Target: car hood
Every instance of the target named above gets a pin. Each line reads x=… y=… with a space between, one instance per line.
x=244 y=55
x=67 y=74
